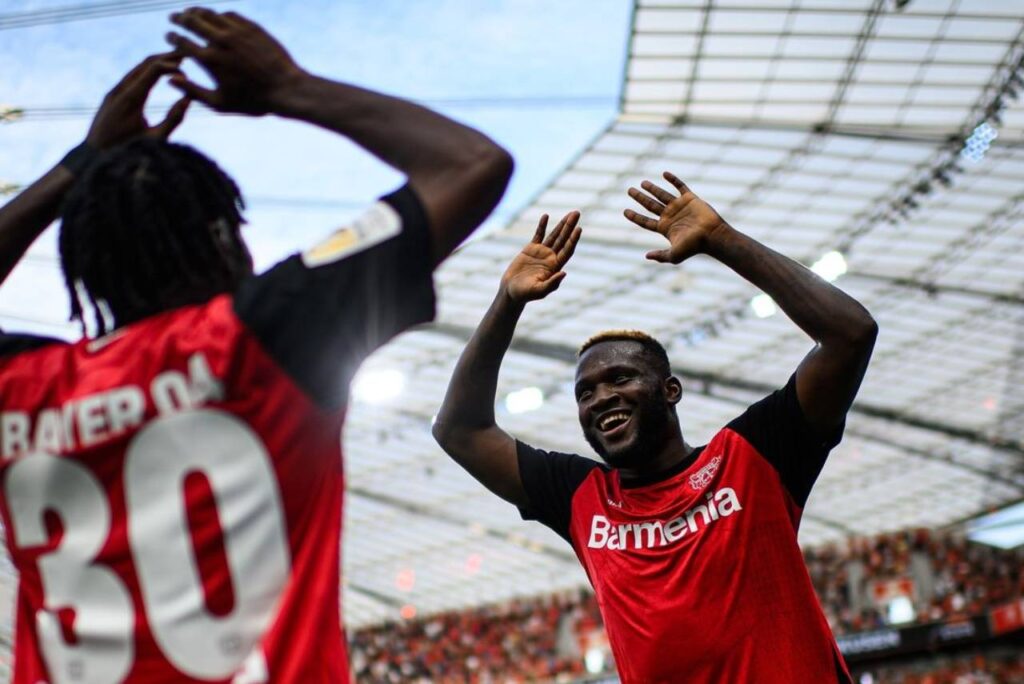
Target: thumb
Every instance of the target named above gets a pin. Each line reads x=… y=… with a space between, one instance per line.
x=552 y=283
x=662 y=256
x=174 y=117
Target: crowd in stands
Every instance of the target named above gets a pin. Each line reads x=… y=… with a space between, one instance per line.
x=976 y=669
x=545 y=639
x=533 y=640
x=946 y=575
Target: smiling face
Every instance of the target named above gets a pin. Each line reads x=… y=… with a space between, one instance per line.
x=626 y=402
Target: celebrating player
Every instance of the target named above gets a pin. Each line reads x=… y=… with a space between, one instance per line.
x=692 y=550
x=172 y=489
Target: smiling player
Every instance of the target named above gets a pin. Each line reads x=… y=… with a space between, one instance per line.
x=692 y=550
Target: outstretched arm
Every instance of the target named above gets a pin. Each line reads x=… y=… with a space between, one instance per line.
x=844 y=332
x=119 y=118
x=458 y=173
x=465 y=426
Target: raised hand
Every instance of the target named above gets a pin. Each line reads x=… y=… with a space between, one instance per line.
x=248 y=65
x=537 y=271
x=120 y=116
x=686 y=221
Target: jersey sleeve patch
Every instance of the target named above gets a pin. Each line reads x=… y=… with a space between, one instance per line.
x=379 y=223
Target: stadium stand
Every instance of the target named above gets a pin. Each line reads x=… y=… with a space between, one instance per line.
x=875 y=591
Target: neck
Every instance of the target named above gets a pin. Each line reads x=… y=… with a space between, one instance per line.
x=674 y=450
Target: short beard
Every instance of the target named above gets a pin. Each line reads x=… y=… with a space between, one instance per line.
x=650 y=435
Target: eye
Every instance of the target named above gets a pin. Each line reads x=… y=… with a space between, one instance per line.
x=583 y=396
x=622 y=379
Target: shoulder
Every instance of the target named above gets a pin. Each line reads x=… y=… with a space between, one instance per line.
x=12 y=344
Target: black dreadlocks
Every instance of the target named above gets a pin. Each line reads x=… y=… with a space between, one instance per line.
x=150 y=226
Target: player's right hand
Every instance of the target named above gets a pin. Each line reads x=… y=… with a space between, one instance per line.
x=537 y=271
x=248 y=65
x=120 y=116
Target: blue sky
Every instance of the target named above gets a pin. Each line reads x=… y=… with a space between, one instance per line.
x=301 y=181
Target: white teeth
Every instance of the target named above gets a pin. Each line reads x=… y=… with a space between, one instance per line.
x=607 y=420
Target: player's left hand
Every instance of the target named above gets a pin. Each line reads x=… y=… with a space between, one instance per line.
x=120 y=117
x=688 y=222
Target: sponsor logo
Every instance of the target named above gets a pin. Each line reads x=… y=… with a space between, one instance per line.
x=379 y=223
x=869 y=642
x=650 y=534
x=702 y=478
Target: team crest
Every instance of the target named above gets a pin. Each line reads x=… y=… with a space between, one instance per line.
x=702 y=478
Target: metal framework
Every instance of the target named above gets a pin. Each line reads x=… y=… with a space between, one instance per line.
x=814 y=125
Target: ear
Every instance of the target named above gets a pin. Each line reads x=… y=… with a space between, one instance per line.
x=673 y=389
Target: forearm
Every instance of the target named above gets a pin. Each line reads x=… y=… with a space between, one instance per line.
x=25 y=217
x=404 y=135
x=823 y=311
x=459 y=173
x=469 y=403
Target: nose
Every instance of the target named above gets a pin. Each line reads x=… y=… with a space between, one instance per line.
x=602 y=398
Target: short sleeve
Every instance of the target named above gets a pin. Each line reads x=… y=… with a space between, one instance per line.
x=550 y=480
x=320 y=313
x=777 y=428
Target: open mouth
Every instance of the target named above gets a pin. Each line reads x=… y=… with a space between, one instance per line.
x=613 y=423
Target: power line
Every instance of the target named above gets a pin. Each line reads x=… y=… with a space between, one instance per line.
x=68 y=13
x=75 y=112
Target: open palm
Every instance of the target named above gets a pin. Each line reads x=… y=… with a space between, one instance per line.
x=537 y=271
x=685 y=220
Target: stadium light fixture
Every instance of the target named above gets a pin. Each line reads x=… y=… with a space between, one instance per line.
x=378 y=385
x=526 y=399
x=763 y=306
x=830 y=266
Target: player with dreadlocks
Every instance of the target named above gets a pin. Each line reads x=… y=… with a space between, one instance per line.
x=152 y=227
x=172 y=488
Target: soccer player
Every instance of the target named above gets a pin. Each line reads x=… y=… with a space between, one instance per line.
x=172 y=489
x=691 y=550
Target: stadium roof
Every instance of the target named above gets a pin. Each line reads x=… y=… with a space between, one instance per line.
x=891 y=135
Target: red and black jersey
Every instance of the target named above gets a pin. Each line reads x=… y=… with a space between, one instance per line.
x=172 y=492
x=697 y=571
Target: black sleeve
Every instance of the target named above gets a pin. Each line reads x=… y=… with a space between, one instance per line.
x=550 y=480
x=777 y=428
x=16 y=343
x=319 y=314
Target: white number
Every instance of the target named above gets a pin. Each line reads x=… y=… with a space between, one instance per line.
x=238 y=468
x=103 y=607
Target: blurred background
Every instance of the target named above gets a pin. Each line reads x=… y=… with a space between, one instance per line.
x=880 y=142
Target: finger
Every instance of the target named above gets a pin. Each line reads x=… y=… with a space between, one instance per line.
x=662 y=195
x=161 y=62
x=202 y=22
x=568 y=226
x=647 y=202
x=570 y=247
x=662 y=256
x=542 y=225
x=138 y=89
x=549 y=241
x=674 y=180
x=552 y=283
x=196 y=92
x=174 y=117
x=186 y=46
x=641 y=220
